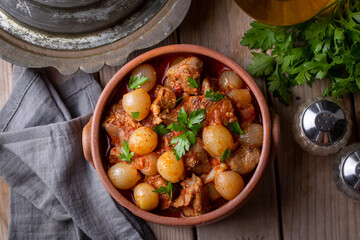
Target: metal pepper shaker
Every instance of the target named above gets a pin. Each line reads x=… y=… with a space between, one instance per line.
x=346 y=171
x=322 y=126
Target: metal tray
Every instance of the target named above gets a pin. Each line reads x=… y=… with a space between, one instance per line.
x=71 y=35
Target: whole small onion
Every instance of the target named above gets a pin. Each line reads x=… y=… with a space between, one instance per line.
x=137 y=102
x=143 y=141
x=145 y=198
x=123 y=175
x=230 y=80
x=146 y=70
x=217 y=139
x=242 y=97
x=170 y=168
x=253 y=135
x=213 y=193
x=229 y=184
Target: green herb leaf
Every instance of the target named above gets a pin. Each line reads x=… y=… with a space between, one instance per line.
x=189 y=126
x=126 y=155
x=225 y=155
x=179 y=99
x=259 y=36
x=161 y=130
x=262 y=65
x=182 y=145
x=165 y=190
x=192 y=82
x=235 y=128
x=196 y=117
x=135 y=115
x=213 y=96
x=326 y=46
x=136 y=82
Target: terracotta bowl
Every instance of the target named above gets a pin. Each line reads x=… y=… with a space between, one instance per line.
x=93 y=153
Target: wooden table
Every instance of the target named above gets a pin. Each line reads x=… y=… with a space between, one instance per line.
x=297 y=198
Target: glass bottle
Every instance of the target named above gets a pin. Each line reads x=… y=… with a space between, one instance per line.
x=282 y=12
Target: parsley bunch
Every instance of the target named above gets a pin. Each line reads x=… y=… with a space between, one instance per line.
x=326 y=46
x=189 y=126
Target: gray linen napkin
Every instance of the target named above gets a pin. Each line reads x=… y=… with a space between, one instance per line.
x=54 y=192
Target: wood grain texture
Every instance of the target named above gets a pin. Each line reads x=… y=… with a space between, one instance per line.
x=5 y=89
x=220 y=25
x=256 y=220
x=357 y=115
x=311 y=205
x=171 y=233
x=160 y=231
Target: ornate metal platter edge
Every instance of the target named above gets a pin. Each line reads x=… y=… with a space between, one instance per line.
x=24 y=54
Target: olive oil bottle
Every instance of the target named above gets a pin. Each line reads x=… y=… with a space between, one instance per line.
x=282 y=12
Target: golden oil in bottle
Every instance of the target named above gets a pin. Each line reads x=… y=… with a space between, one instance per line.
x=282 y=12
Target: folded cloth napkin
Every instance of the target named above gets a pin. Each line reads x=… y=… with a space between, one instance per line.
x=54 y=192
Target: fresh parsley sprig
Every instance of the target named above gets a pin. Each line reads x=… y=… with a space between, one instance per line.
x=192 y=82
x=326 y=46
x=165 y=190
x=136 y=81
x=225 y=155
x=189 y=126
x=235 y=128
x=126 y=155
x=213 y=96
x=161 y=130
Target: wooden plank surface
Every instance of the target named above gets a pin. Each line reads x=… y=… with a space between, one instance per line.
x=357 y=115
x=311 y=205
x=5 y=89
x=220 y=25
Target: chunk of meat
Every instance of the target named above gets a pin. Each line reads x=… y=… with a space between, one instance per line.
x=196 y=103
x=178 y=75
x=194 y=197
x=157 y=181
x=119 y=125
x=175 y=86
x=196 y=159
x=245 y=159
x=149 y=121
x=146 y=163
x=164 y=100
x=114 y=156
x=165 y=141
x=221 y=112
x=205 y=85
x=209 y=83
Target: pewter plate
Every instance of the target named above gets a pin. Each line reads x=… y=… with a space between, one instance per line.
x=25 y=45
